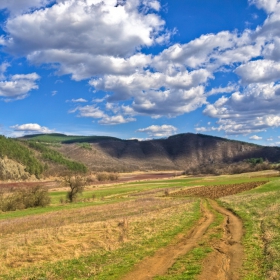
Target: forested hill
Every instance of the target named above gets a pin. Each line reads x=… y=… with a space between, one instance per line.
x=65 y=139
x=54 y=154
x=13 y=150
x=181 y=152
x=21 y=159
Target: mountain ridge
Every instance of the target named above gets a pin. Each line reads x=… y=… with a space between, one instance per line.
x=179 y=151
x=186 y=151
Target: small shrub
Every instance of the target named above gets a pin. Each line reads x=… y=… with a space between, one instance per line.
x=85 y=146
x=105 y=176
x=24 y=198
x=113 y=176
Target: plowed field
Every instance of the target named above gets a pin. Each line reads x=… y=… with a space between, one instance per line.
x=217 y=191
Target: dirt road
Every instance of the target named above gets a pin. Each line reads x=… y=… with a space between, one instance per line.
x=222 y=264
x=226 y=259
x=165 y=257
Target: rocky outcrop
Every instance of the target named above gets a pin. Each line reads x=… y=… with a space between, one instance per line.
x=12 y=170
x=180 y=152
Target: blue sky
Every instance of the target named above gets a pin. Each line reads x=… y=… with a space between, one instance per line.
x=141 y=68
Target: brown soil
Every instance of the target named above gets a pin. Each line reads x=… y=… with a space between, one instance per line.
x=166 y=257
x=223 y=264
x=218 y=191
x=7 y=186
x=225 y=261
x=131 y=177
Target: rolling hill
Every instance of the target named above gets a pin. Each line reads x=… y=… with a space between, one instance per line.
x=177 y=152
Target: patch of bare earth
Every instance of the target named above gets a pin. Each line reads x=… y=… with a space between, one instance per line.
x=166 y=257
x=226 y=260
x=219 y=190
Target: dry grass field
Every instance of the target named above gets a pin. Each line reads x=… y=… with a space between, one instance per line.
x=113 y=231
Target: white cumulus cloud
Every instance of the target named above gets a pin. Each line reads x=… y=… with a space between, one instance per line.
x=116 y=115
x=159 y=130
x=268 y=5
x=78 y=100
x=85 y=37
x=31 y=128
x=255 y=137
x=256 y=109
x=18 y=86
x=19 y=7
x=259 y=71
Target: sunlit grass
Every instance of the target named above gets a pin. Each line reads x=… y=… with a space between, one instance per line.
x=189 y=266
x=260 y=211
x=86 y=239
x=95 y=244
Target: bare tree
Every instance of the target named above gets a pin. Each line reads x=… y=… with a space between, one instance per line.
x=76 y=185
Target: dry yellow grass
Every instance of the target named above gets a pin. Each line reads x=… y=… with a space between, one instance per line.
x=67 y=234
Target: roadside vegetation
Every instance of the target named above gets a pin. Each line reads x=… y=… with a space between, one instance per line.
x=259 y=209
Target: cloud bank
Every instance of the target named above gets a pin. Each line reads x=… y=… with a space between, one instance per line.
x=103 y=42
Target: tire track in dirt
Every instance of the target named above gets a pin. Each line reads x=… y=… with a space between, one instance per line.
x=164 y=258
x=223 y=263
x=226 y=260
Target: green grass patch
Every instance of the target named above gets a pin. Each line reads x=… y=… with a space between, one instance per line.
x=112 y=264
x=67 y=139
x=54 y=208
x=259 y=210
x=119 y=192
x=187 y=267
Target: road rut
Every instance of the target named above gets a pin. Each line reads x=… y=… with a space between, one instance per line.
x=226 y=260
x=166 y=257
x=222 y=264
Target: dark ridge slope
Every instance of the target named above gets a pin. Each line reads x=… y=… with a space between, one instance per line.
x=176 y=152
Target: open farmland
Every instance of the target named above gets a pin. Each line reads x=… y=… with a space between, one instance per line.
x=220 y=190
x=152 y=229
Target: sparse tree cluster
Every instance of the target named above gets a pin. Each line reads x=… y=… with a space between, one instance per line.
x=54 y=156
x=249 y=165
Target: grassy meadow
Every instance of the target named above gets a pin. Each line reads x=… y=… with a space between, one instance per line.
x=113 y=227
x=260 y=211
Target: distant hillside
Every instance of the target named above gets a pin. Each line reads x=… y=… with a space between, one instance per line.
x=58 y=153
x=65 y=139
x=180 y=152
x=11 y=149
x=21 y=159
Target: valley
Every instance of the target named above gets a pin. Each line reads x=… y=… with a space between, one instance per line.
x=154 y=229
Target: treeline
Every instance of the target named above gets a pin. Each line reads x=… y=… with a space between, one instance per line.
x=54 y=156
x=248 y=165
x=17 y=152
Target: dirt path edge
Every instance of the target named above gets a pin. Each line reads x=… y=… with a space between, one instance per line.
x=164 y=258
x=226 y=260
